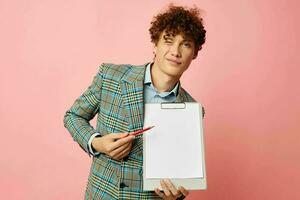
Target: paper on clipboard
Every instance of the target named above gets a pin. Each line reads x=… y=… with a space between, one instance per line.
x=174 y=148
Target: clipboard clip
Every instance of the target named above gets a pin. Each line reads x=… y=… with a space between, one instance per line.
x=166 y=105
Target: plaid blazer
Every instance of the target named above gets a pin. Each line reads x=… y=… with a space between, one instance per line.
x=116 y=95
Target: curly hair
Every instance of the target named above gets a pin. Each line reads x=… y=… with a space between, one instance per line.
x=179 y=20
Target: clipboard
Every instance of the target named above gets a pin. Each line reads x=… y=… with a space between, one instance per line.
x=159 y=152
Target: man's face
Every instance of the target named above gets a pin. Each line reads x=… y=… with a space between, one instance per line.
x=173 y=54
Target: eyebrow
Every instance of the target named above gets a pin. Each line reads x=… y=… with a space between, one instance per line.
x=187 y=40
x=167 y=36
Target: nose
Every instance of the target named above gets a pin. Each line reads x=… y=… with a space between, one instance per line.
x=175 y=50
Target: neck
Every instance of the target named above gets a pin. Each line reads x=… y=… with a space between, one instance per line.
x=162 y=82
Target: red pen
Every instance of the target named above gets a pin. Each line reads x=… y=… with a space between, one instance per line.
x=141 y=131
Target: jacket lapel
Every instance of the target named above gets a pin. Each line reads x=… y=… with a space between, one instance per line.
x=133 y=96
x=180 y=97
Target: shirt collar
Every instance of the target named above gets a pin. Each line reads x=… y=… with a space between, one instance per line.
x=148 y=81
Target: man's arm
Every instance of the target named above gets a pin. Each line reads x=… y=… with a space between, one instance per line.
x=77 y=118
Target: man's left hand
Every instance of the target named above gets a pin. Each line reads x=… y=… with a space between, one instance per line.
x=170 y=192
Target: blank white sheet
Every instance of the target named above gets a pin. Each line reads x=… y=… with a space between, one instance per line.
x=173 y=147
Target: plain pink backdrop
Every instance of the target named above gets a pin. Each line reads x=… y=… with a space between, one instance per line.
x=247 y=77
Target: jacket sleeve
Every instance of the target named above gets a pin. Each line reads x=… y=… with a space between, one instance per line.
x=77 y=118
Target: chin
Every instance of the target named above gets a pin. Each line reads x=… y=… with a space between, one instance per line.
x=173 y=73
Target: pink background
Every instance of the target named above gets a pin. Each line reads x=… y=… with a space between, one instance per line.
x=247 y=76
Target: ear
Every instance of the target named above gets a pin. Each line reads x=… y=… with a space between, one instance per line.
x=195 y=56
x=154 y=49
x=196 y=52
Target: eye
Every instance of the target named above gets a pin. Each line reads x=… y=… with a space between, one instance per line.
x=187 y=44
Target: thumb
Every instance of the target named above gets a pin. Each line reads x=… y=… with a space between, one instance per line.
x=119 y=135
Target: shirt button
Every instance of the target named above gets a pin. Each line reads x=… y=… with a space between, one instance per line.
x=122 y=185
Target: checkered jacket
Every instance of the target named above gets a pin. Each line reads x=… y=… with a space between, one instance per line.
x=116 y=95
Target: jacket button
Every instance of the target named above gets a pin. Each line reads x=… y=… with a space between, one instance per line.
x=122 y=185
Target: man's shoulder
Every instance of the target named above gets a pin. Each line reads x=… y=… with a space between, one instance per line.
x=119 y=71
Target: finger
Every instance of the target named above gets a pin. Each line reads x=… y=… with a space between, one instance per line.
x=159 y=193
x=124 y=153
x=118 y=150
x=122 y=141
x=183 y=191
x=118 y=135
x=172 y=188
x=165 y=188
x=121 y=156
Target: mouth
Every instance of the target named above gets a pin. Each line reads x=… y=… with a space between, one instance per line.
x=174 y=62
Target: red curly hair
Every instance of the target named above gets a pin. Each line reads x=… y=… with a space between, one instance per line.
x=179 y=20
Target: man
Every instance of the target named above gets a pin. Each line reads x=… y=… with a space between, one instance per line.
x=118 y=93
